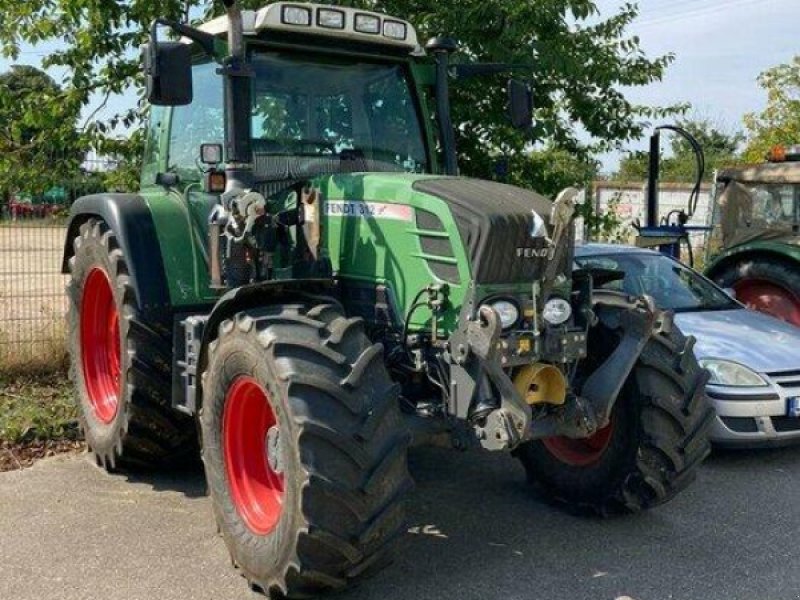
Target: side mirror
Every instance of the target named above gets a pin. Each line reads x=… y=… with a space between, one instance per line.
x=168 y=73
x=520 y=104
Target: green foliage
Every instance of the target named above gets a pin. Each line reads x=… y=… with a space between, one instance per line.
x=603 y=226
x=779 y=122
x=39 y=146
x=679 y=165
x=36 y=409
x=548 y=170
x=579 y=63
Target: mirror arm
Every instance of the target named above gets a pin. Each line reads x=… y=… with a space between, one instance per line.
x=467 y=71
x=201 y=38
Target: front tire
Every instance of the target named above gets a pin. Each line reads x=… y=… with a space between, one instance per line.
x=656 y=440
x=304 y=448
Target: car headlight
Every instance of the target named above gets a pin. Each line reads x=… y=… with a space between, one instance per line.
x=507 y=311
x=726 y=372
x=556 y=311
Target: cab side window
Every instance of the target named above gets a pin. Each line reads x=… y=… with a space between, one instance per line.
x=153 y=160
x=201 y=122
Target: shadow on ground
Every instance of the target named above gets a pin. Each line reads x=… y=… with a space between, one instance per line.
x=478 y=531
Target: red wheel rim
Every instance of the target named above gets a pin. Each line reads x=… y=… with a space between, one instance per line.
x=251 y=449
x=580 y=452
x=770 y=298
x=100 y=345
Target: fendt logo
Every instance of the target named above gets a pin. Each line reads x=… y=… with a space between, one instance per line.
x=533 y=252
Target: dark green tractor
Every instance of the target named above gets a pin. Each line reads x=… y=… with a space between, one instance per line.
x=754 y=247
x=302 y=277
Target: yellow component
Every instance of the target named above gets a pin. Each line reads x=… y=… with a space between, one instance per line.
x=541 y=384
x=529 y=313
x=524 y=345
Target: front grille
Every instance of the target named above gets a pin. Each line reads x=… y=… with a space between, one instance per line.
x=788 y=381
x=782 y=424
x=740 y=424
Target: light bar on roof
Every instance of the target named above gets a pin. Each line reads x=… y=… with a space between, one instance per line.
x=341 y=22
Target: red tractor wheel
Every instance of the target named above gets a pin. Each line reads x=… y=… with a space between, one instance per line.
x=766 y=283
x=252 y=460
x=653 y=445
x=120 y=365
x=99 y=322
x=770 y=298
x=580 y=452
x=304 y=448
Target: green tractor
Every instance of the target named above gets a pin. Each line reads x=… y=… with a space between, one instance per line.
x=301 y=285
x=755 y=238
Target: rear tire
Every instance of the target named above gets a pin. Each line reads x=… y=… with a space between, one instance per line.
x=335 y=475
x=766 y=284
x=121 y=367
x=657 y=438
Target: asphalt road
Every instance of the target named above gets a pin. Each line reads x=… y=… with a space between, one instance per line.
x=69 y=531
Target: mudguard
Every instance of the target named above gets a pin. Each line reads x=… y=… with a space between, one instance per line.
x=775 y=249
x=197 y=332
x=130 y=219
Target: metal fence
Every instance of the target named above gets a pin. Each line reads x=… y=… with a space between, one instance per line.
x=32 y=299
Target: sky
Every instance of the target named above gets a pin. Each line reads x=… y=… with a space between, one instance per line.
x=721 y=46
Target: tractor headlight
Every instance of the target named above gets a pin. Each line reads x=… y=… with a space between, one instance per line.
x=556 y=311
x=296 y=15
x=507 y=311
x=367 y=23
x=394 y=30
x=726 y=372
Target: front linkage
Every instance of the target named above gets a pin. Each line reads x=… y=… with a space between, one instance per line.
x=483 y=392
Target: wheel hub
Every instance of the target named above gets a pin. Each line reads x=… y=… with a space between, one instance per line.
x=253 y=455
x=100 y=345
x=581 y=452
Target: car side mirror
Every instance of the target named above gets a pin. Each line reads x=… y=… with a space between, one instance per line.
x=520 y=104
x=168 y=73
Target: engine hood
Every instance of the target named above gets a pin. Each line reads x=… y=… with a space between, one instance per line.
x=756 y=340
x=496 y=223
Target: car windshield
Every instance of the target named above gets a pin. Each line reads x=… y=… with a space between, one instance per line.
x=326 y=110
x=672 y=285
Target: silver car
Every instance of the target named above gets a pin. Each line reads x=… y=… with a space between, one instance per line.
x=753 y=359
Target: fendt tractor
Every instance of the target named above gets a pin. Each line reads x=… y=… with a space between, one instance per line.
x=755 y=237
x=304 y=287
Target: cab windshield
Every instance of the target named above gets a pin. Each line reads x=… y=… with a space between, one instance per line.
x=773 y=204
x=672 y=285
x=334 y=115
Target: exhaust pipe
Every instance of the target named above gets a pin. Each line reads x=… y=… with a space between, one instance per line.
x=238 y=104
x=235 y=28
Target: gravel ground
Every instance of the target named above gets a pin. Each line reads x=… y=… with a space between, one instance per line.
x=70 y=531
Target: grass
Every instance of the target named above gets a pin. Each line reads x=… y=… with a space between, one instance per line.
x=37 y=409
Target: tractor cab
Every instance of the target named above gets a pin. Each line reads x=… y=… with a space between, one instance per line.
x=754 y=246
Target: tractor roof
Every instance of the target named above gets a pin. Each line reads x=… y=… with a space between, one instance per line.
x=326 y=21
x=779 y=173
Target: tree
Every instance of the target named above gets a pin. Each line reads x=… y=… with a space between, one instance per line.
x=39 y=145
x=779 y=122
x=579 y=62
x=679 y=165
